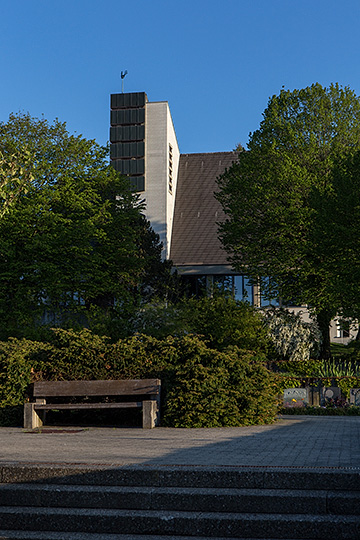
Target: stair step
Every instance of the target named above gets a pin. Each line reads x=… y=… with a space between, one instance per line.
x=46 y=535
x=75 y=502
x=172 y=476
x=183 y=499
x=208 y=525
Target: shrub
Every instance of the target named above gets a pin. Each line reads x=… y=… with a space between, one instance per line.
x=19 y=359
x=201 y=387
x=322 y=411
x=74 y=355
x=293 y=339
x=344 y=374
x=221 y=321
x=215 y=388
x=225 y=322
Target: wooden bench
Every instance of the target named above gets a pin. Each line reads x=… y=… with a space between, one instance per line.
x=142 y=393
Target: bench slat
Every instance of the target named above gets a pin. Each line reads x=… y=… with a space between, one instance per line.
x=96 y=388
x=54 y=406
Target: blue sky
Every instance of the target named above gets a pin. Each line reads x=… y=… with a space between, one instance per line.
x=215 y=62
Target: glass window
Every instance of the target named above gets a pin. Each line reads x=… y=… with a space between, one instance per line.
x=243 y=289
x=265 y=301
x=237 y=286
x=223 y=284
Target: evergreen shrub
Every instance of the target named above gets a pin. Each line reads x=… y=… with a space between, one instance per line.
x=201 y=387
x=215 y=388
x=20 y=362
x=322 y=411
x=220 y=320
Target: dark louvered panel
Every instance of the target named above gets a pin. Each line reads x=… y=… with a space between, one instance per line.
x=129 y=166
x=128 y=101
x=127 y=133
x=127 y=136
x=127 y=150
x=137 y=183
x=127 y=116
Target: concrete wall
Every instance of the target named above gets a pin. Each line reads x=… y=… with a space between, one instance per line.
x=159 y=201
x=336 y=335
x=170 y=204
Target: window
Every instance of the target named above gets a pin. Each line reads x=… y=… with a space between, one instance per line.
x=342 y=329
x=239 y=287
x=266 y=301
x=243 y=289
x=170 y=169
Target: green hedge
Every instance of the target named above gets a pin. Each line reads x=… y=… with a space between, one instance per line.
x=321 y=411
x=201 y=387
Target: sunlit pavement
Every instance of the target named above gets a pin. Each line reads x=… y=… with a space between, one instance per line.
x=290 y=442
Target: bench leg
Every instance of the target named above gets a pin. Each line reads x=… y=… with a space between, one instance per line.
x=150 y=414
x=32 y=419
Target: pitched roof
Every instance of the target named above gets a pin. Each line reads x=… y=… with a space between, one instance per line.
x=195 y=231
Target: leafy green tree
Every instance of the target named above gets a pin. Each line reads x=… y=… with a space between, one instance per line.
x=72 y=247
x=336 y=228
x=271 y=196
x=225 y=322
x=221 y=321
x=15 y=176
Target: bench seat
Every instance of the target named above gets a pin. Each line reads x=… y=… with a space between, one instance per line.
x=145 y=394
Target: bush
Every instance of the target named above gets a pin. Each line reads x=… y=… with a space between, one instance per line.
x=344 y=374
x=221 y=321
x=214 y=388
x=322 y=411
x=225 y=322
x=19 y=359
x=349 y=352
x=201 y=387
x=293 y=339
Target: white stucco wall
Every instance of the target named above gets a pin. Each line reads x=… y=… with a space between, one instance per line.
x=159 y=133
x=171 y=139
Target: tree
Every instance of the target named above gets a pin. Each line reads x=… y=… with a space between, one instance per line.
x=340 y=241
x=71 y=247
x=273 y=193
x=221 y=321
x=15 y=176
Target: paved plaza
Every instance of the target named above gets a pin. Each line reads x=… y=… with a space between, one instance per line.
x=291 y=442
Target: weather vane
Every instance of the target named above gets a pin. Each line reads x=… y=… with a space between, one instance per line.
x=123 y=74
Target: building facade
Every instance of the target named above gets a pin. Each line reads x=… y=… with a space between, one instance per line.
x=143 y=145
x=178 y=190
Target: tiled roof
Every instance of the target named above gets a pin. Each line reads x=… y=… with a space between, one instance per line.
x=195 y=232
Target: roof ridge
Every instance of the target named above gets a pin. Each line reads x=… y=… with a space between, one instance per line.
x=207 y=153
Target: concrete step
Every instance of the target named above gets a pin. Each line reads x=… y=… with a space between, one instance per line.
x=186 y=476
x=195 y=524
x=46 y=535
x=172 y=503
x=182 y=499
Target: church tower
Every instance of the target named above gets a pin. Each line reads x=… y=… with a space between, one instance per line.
x=144 y=147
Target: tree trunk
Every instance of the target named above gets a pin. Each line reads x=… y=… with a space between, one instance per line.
x=323 y=319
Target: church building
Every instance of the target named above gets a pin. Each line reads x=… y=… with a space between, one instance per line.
x=178 y=190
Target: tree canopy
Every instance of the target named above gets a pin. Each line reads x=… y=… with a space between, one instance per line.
x=336 y=229
x=274 y=197
x=75 y=247
x=15 y=176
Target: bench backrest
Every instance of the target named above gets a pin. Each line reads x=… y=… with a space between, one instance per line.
x=97 y=388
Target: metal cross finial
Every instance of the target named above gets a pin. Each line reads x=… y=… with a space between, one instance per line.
x=123 y=74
